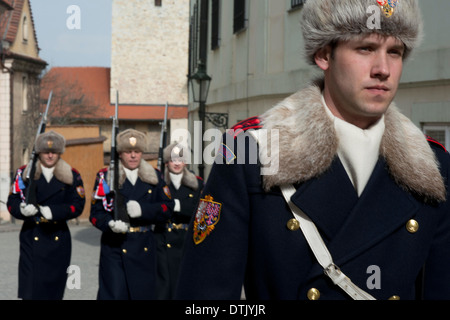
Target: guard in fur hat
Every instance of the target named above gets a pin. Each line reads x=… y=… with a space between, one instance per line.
x=45 y=241
x=185 y=188
x=128 y=251
x=352 y=202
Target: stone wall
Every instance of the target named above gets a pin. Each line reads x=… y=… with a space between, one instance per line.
x=149 y=54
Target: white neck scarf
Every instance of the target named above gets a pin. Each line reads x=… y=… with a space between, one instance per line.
x=358 y=149
x=47 y=172
x=176 y=179
x=132 y=175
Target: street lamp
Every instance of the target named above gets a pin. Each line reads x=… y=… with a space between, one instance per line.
x=200 y=82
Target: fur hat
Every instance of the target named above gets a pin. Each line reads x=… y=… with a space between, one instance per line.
x=327 y=21
x=176 y=151
x=131 y=139
x=50 y=142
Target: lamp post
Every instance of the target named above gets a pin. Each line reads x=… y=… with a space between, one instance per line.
x=200 y=82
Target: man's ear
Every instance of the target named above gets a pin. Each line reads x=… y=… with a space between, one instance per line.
x=322 y=57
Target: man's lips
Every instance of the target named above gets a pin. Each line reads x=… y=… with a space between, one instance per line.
x=378 y=89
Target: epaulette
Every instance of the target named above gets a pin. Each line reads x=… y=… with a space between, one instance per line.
x=76 y=171
x=244 y=125
x=104 y=169
x=435 y=143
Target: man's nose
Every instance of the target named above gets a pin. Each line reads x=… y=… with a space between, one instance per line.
x=381 y=68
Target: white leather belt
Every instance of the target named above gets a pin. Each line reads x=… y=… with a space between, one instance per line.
x=320 y=250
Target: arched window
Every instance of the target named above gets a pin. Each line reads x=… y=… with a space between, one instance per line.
x=25 y=29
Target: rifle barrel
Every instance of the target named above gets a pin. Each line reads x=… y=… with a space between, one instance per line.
x=31 y=168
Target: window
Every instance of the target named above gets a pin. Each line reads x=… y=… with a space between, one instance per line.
x=239 y=16
x=24 y=94
x=25 y=154
x=440 y=133
x=297 y=3
x=194 y=43
x=158 y=3
x=25 y=29
x=215 y=24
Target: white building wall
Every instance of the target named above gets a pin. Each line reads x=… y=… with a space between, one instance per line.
x=256 y=68
x=5 y=136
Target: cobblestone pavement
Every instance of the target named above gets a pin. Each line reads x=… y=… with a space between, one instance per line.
x=85 y=255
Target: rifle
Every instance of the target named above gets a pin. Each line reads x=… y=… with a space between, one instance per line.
x=162 y=142
x=30 y=197
x=118 y=213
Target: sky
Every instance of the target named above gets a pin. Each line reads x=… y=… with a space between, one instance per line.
x=73 y=33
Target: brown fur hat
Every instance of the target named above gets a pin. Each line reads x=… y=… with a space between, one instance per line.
x=131 y=139
x=328 y=21
x=50 y=141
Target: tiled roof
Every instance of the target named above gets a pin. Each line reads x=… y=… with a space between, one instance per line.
x=6 y=4
x=94 y=82
x=10 y=26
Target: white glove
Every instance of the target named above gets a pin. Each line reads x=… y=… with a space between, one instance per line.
x=118 y=226
x=177 y=205
x=28 y=210
x=134 y=209
x=46 y=212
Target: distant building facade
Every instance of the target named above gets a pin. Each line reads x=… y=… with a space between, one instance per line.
x=21 y=67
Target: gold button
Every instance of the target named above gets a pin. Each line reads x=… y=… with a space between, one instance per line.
x=169 y=245
x=124 y=250
x=394 y=298
x=145 y=249
x=56 y=238
x=191 y=195
x=169 y=229
x=36 y=238
x=313 y=294
x=149 y=190
x=293 y=224
x=412 y=226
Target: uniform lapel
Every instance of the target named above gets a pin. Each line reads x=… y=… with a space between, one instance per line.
x=46 y=190
x=135 y=192
x=349 y=225
x=382 y=208
x=328 y=199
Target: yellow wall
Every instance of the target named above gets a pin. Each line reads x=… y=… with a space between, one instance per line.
x=87 y=158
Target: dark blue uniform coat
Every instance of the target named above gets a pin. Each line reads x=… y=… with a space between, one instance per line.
x=45 y=246
x=128 y=261
x=397 y=231
x=170 y=236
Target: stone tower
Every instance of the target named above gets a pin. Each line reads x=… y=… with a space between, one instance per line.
x=149 y=51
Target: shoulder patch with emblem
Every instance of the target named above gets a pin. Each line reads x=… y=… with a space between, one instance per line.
x=226 y=153
x=206 y=217
x=80 y=191
x=167 y=192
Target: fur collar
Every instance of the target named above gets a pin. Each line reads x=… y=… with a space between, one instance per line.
x=145 y=172
x=62 y=172
x=189 y=179
x=308 y=145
